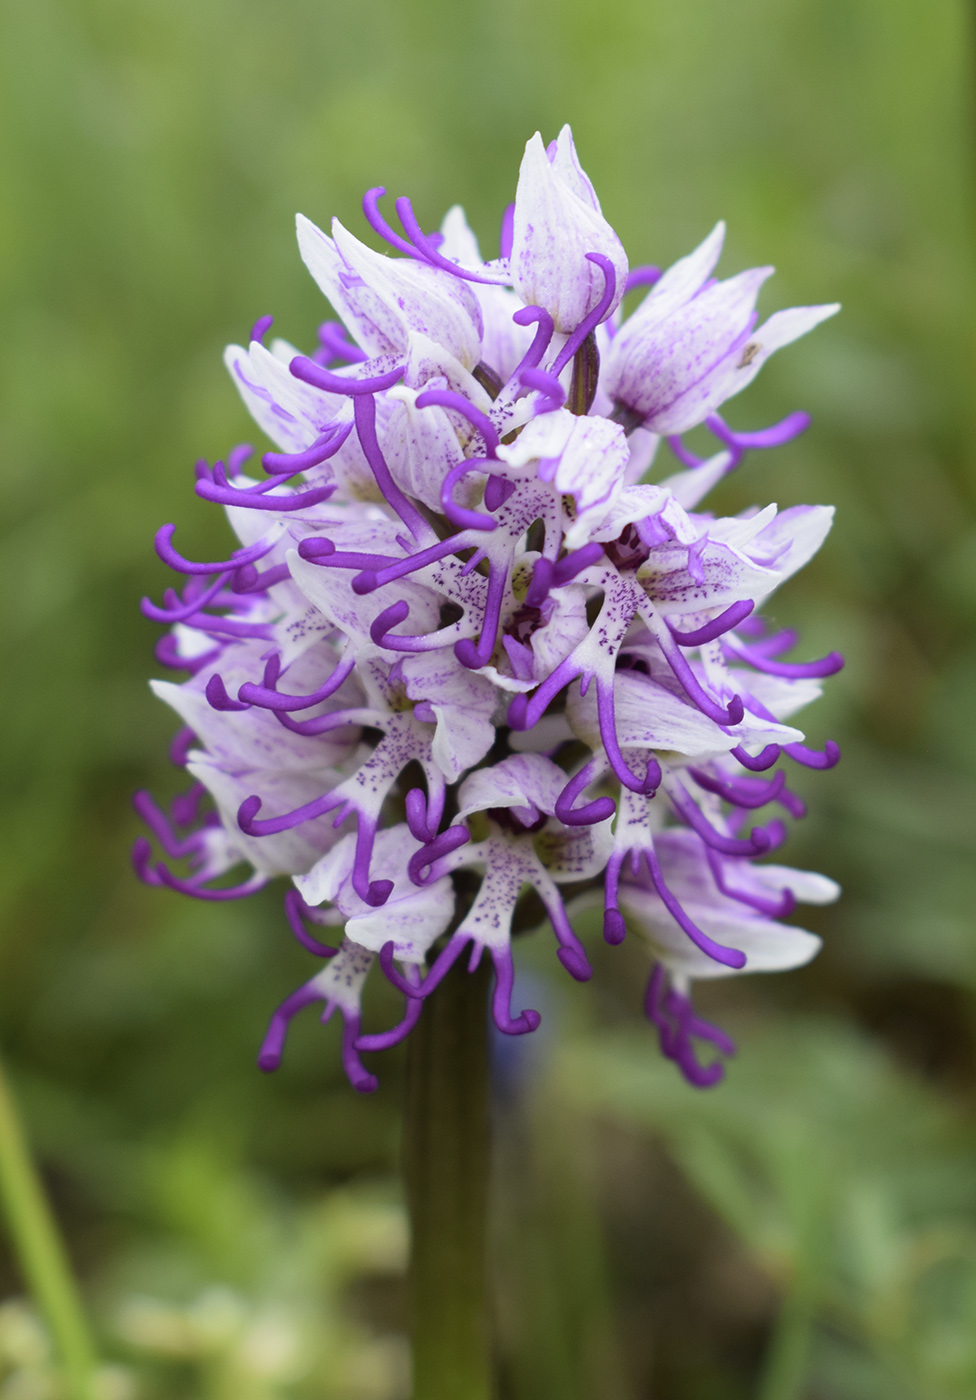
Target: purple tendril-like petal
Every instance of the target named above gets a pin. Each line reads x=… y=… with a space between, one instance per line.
x=775 y=436
x=708 y=632
x=450 y=840
x=730 y=715
x=197 y=891
x=642 y=277
x=248 y=580
x=365 y=414
x=180 y=746
x=179 y=612
x=320 y=378
x=175 y=847
x=324 y=447
x=296 y=911
x=614 y=926
x=497 y=491
x=504 y=980
x=810 y=758
x=689 y=811
x=379 y=570
x=474 y=657
x=649 y=783
x=542 y=580
x=272 y=1048
x=357 y=1074
x=166 y=652
x=662 y=1002
x=780 y=908
x=379 y=225
x=219 y=491
x=335 y=346
x=747 y=793
x=217 y=697
x=807 y=758
x=372 y=892
x=269 y=698
x=273 y=1045
x=229 y=627
x=761 y=761
x=571 y=952
x=718 y=952
x=501 y=998
x=574 y=563
x=261 y=327
x=175 y=560
x=524 y=713
x=426 y=246
x=554 y=395
x=596 y=811
x=686 y=457
x=827 y=665
x=457 y=403
x=545 y=330
x=506 y=232
x=247 y=815
x=443 y=963
x=460 y=516
x=423 y=814
x=589 y=323
x=385 y=1040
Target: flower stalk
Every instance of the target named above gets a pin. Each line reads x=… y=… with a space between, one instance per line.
x=41 y=1252
x=446 y=1147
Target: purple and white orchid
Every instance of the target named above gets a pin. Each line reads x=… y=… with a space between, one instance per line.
x=462 y=633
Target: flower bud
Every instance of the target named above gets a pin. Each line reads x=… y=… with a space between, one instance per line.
x=557 y=222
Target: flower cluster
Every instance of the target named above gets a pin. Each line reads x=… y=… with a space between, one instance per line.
x=465 y=659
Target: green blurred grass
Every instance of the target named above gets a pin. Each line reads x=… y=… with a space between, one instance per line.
x=152 y=156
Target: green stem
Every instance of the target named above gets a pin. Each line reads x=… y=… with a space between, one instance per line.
x=40 y=1250
x=446 y=1166
x=787 y=1358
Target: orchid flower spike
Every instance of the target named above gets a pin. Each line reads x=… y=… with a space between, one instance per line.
x=455 y=595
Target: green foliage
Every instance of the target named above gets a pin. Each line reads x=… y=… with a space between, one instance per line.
x=851 y=1185
x=152 y=156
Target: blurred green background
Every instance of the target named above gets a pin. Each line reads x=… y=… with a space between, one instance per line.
x=805 y=1232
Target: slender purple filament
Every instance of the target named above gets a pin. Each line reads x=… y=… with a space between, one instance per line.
x=741 y=793
x=593 y=319
x=324 y=447
x=269 y=698
x=689 y=811
x=365 y=414
x=642 y=277
x=320 y=378
x=506 y=232
x=175 y=560
x=457 y=403
x=827 y=665
x=775 y=908
x=451 y=840
x=296 y=911
x=179 y=612
x=698 y=696
x=591 y=812
x=336 y=346
x=718 y=952
x=539 y=380
x=708 y=632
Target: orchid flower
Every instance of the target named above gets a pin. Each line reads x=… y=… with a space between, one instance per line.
x=462 y=643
